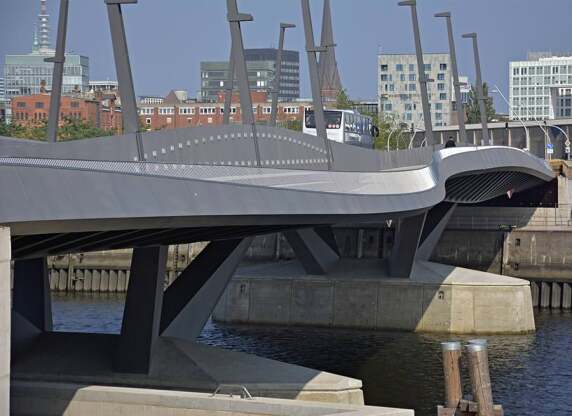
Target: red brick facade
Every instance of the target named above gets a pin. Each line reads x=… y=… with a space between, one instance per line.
x=33 y=110
x=173 y=114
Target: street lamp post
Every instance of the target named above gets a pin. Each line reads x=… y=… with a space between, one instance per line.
x=481 y=97
x=456 y=83
x=421 y=70
x=278 y=72
x=526 y=131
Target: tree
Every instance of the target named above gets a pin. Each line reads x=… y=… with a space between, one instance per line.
x=343 y=101
x=472 y=108
x=70 y=129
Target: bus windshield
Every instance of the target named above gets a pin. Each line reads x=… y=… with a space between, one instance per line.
x=333 y=119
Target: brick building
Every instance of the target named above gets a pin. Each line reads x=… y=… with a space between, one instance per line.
x=175 y=113
x=99 y=110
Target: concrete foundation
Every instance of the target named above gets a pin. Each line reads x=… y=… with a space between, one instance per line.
x=177 y=365
x=5 y=320
x=357 y=294
x=78 y=400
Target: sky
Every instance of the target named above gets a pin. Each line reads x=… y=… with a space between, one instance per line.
x=168 y=38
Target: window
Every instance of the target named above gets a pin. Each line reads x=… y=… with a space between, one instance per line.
x=39 y=104
x=443 y=96
x=427 y=67
x=384 y=68
x=266 y=110
x=412 y=77
x=441 y=86
x=399 y=67
x=21 y=104
x=165 y=111
x=441 y=77
x=411 y=67
x=148 y=121
x=442 y=67
x=291 y=110
x=387 y=107
x=408 y=107
x=384 y=77
x=516 y=71
x=186 y=110
x=412 y=87
x=147 y=111
x=438 y=116
x=74 y=104
x=207 y=110
x=402 y=77
x=439 y=106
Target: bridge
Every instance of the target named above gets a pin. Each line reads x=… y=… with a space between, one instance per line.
x=225 y=184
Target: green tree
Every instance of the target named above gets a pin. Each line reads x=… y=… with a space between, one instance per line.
x=343 y=101
x=295 y=125
x=472 y=108
x=71 y=129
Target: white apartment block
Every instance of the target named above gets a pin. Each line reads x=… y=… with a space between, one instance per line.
x=540 y=88
x=399 y=89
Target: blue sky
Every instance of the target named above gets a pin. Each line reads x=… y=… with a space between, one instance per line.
x=168 y=38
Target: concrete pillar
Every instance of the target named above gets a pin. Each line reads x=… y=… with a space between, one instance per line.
x=191 y=298
x=32 y=298
x=566 y=296
x=315 y=254
x=407 y=236
x=435 y=223
x=535 y=292
x=556 y=298
x=509 y=137
x=142 y=314
x=5 y=320
x=544 y=295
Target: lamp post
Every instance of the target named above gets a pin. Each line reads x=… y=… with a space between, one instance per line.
x=455 y=70
x=421 y=70
x=278 y=73
x=389 y=137
x=527 y=132
x=481 y=97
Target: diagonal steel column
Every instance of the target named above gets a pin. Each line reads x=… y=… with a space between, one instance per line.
x=480 y=92
x=123 y=69
x=456 y=83
x=278 y=72
x=311 y=50
x=228 y=88
x=58 y=74
x=234 y=20
x=421 y=71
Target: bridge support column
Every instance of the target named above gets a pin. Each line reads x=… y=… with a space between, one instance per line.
x=141 y=318
x=191 y=298
x=32 y=298
x=435 y=223
x=407 y=236
x=5 y=320
x=316 y=253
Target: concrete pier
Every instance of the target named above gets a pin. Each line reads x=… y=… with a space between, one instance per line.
x=5 y=320
x=358 y=294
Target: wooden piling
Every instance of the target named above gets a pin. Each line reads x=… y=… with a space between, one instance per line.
x=452 y=372
x=566 y=296
x=480 y=378
x=535 y=292
x=544 y=295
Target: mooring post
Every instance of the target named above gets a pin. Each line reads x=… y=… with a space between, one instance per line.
x=452 y=372
x=480 y=377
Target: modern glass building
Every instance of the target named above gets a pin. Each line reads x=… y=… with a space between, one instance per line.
x=399 y=88
x=540 y=87
x=261 y=64
x=26 y=74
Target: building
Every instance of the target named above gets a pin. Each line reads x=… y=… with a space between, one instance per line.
x=172 y=112
x=99 y=111
x=366 y=107
x=261 y=64
x=465 y=90
x=103 y=86
x=28 y=74
x=540 y=86
x=399 y=90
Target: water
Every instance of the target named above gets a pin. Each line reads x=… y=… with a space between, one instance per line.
x=531 y=373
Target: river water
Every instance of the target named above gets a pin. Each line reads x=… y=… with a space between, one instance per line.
x=532 y=374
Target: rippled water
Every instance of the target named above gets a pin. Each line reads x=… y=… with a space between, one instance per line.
x=532 y=374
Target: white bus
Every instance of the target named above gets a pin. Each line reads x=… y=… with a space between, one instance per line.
x=344 y=126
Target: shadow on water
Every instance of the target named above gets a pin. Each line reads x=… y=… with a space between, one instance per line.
x=531 y=373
